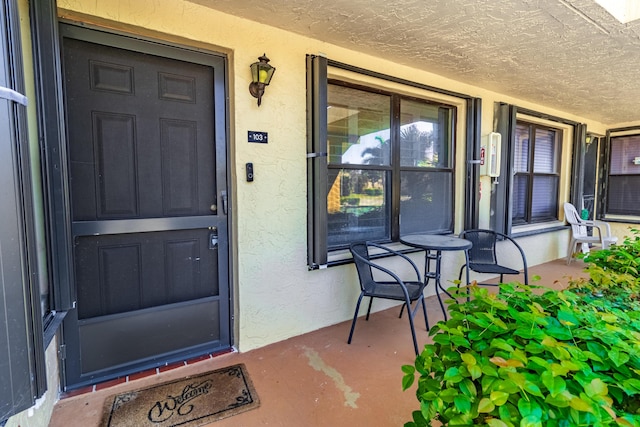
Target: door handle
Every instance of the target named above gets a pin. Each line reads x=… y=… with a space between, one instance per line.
x=223 y=194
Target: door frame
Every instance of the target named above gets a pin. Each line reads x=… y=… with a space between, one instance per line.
x=60 y=196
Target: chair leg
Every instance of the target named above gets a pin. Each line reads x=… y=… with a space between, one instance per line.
x=502 y=278
x=369 y=309
x=570 y=249
x=402 y=310
x=424 y=311
x=355 y=317
x=413 y=330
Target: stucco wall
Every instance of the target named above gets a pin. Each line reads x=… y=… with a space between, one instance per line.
x=276 y=296
x=40 y=414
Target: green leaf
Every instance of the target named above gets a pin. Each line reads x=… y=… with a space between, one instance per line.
x=501 y=344
x=558 y=369
x=408 y=369
x=539 y=361
x=631 y=386
x=533 y=389
x=441 y=338
x=596 y=387
x=462 y=403
x=508 y=386
x=453 y=374
x=560 y=401
x=499 y=398
x=488 y=384
x=419 y=417
x=489 y=370
x=568 y=318
x=559 y=332
x=468 y=358
x=528 y=408
x=534 y=348
x=407 y=381
x=448 y=394
x=531 y=421
x=460 y=341
x=428 y=396
x=468 y=388
x=597 y=348
x=555 y=385
x=580 y=405
x=486 y=405
x=509 y=413
x=618 y=357
x=461 y=420
x=475 y=371
x=494 y=422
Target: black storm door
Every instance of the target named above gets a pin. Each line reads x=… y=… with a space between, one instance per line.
x=147 y=158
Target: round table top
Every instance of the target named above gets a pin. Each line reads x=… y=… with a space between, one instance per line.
x=436 y=242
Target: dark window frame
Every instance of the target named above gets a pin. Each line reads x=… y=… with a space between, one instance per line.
x=24 y=368
x=629 y=216
x=317 y=253
x=531 y=173
x=394 y=169
x=505 y=118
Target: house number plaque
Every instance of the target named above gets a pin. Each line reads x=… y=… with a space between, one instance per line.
x=260 y=137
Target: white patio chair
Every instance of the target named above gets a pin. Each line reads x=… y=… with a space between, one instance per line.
x=601 y=234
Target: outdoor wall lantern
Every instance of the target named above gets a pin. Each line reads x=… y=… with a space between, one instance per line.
x=261 y=73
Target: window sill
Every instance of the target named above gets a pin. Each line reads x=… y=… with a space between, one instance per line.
x=539 y=228
x=631 y=219
x=343 y=256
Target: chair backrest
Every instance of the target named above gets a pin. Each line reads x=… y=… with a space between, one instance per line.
x=483 y=250
x=359 y=251
x=572 y=217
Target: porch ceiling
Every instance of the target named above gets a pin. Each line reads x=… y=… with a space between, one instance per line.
x=567 y=54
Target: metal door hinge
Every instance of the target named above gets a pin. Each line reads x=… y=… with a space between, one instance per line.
x=62 y=352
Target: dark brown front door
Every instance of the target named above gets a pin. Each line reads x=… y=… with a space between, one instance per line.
x=147 y=166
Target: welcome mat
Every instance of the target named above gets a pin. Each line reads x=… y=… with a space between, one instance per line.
x=187 y=402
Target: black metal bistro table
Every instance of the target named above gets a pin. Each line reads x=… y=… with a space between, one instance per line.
x=433 y=246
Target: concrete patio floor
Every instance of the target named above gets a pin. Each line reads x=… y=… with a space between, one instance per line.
x=317 y=379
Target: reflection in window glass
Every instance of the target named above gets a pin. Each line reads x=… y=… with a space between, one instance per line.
x=423 y=135
x=358 y=127
x=357 y=206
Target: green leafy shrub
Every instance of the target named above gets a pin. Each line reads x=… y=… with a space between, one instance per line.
x=531 y=359
x=373 y=191
x=615 y=272
x=350 y=200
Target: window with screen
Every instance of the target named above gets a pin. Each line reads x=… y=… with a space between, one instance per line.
x=390 y=167
x=536 y=173
x=624 y=175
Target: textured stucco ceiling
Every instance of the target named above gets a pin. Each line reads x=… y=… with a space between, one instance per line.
x=567 y=54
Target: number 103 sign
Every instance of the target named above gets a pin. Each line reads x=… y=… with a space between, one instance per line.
x=261 y=137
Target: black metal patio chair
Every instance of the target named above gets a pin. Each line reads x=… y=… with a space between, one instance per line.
x=483 y=257
x=392 y=288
